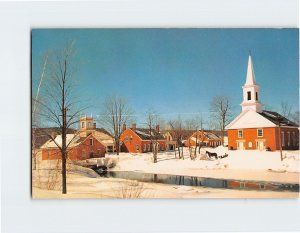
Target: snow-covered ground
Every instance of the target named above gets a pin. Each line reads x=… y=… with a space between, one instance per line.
x=85 y=183
x=249 y=165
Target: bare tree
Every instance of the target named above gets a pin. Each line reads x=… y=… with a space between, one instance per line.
x=59 y=103
x=152 y=121
x=177 y=128
x=116 y=113
x=295 y=117
x=286 y=109
x=196 y=124
x=220 y=108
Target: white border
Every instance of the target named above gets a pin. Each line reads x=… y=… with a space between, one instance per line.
x=21 y=214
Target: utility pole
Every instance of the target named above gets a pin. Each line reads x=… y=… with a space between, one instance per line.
x=280 y=139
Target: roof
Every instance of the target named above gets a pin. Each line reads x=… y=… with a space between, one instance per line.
x=144 y=134
x=72 y=140
x=102 y=130
x=104 y=136
x=211 y=136
x=275 y=117
x=40 y=135
x=185 y=133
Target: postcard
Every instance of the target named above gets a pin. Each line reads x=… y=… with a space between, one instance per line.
x=164 y=113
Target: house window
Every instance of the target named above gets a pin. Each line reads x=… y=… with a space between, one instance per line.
x=293 y=139
x=248 y=95
x=82 y=124
x=288 y=138
x=250 y=144
x=144 y=147
x=148 y=147
x=91 y=141
x=259 y=132
x=126 y=139
x=137 y=148
x=282 y=139
x=256 y=95
x=240 y=133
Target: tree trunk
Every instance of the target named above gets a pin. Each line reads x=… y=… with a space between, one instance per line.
x=117 y=147
x=64 y=173
x=64 y=152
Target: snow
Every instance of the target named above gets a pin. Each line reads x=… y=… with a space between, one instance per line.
x=71 y=138
x=245 y=165
x=237 y=159
x=250 y=119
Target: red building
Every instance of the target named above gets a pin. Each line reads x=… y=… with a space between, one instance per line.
x=205 y=138
x=138 y=140
x=79 y=148
x=256 y=129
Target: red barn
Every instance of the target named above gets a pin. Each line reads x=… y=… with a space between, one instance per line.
x=255 y=129
x=137 y=140
x=79 y=148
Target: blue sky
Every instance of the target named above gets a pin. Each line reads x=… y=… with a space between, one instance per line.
x=177 y=71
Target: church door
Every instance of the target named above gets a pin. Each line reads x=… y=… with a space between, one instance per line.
x=240 y=146
x=260 y=145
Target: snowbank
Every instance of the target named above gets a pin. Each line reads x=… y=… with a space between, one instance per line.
x=241 y=160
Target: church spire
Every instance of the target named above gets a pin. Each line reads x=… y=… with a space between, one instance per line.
x=250 y=80
x=251 y=90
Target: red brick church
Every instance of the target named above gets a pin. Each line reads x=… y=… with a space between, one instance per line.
x=256 y=129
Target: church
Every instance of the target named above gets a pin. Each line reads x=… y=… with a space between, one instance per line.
x=256 y=129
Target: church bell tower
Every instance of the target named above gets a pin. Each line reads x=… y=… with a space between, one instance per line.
x=251 y=90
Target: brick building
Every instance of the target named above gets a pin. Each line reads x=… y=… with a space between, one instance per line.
x=256 y=129
x=138 y=140
x=79 y=148
x=203 y=137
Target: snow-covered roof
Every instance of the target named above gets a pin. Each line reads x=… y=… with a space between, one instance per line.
x=72 y=140
x=253 y=119
x=144 y=134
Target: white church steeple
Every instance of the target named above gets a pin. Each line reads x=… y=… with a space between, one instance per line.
x=251 y=90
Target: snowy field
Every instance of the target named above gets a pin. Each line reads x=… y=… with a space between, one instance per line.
x=242 y=165
x=248 y=165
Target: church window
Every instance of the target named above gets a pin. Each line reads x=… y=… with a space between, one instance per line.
x=259 y=132
x=248 y=95
x=282 y=139
x=250 y=144
x=288 y=138
x=256 y=96
x=89 y=125
x=240 y=133
x=293 y=139
x=82 y=124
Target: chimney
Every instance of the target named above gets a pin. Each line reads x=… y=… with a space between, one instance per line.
x=124 y=127
x=157 y=128
x=134 y=127
x=94 y=125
